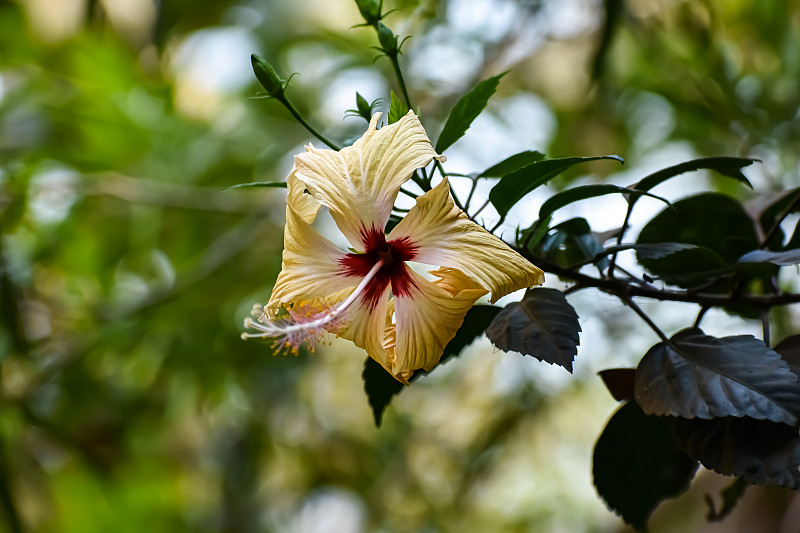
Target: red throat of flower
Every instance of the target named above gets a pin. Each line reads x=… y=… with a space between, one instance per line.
x=393 y=253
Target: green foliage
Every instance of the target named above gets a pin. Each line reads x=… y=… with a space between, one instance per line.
x=465 y=111
x=128 y=401
x=381 y=386
x=696 y=375
x=632 y=439
x=543 y=324
x=583 y=192
x=514 y=186
x=397 y=109
x=726 y=166
x=758 y=451
x=572 y=243
x=511 y=164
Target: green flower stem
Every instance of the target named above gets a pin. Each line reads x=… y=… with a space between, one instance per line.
x=400 y=80
x=627 y=300
x=296 y=114
x=478 y=211
x=765 y=325
x=471 y=193
x=700 y=316
x=612 y=264
x=409 y=193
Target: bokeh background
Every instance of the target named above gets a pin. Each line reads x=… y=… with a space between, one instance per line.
x=128 y=401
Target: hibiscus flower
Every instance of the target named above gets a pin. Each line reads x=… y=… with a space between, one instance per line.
x=370 y=295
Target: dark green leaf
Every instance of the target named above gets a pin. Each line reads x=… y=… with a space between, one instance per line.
x=789 y=348
x=572 y=242
x=583 y=192
x=620 y=382
x=789 y=257
x=381 y=386
x=657 y=250
x=730 y=497
x=391 y=223
x=397 y=108
x=475 y=323
x=543 y=325
x=277 y=184
x=465 y=111
x=770 y=210
x=712 y=220
x=532 y=236
x=513 y=187
x=693 y=265
x=697 y=375
x=758 y=451
x=727 y=166
x=794 y=241
x=637 y=464
x=511 y=164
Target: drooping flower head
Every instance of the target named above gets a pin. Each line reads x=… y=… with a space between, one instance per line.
x=370 y=295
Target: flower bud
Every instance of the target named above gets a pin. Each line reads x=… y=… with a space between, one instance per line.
x=370 y=10
x=267 y=76
x=388 y=40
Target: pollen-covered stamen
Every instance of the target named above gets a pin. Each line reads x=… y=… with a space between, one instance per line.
x=306 y=323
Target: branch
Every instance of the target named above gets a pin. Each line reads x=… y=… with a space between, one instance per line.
x=622 y=288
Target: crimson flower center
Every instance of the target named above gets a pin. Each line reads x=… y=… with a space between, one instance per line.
x=394 y=254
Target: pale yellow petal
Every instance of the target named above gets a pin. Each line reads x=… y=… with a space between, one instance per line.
x=444 y=235
x=311 y=266
x=298 y=199
x=365 y=324
x=359 y=183
x=427 y=317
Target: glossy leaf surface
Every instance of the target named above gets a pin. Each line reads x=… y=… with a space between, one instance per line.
x=543 y=325
x=697 y=375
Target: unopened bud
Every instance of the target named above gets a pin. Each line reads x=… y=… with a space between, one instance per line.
x=267 y=76
x=370 y=10
x=388 y=40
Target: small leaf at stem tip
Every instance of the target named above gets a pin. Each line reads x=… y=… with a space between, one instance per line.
x=397 y=108
x=543 y=324
x=465 y=111
x=515 y=186
x=254 y=184
x=699 y=376
x=787 y=258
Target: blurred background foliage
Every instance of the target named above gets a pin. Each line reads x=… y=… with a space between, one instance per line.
x=127 y=400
